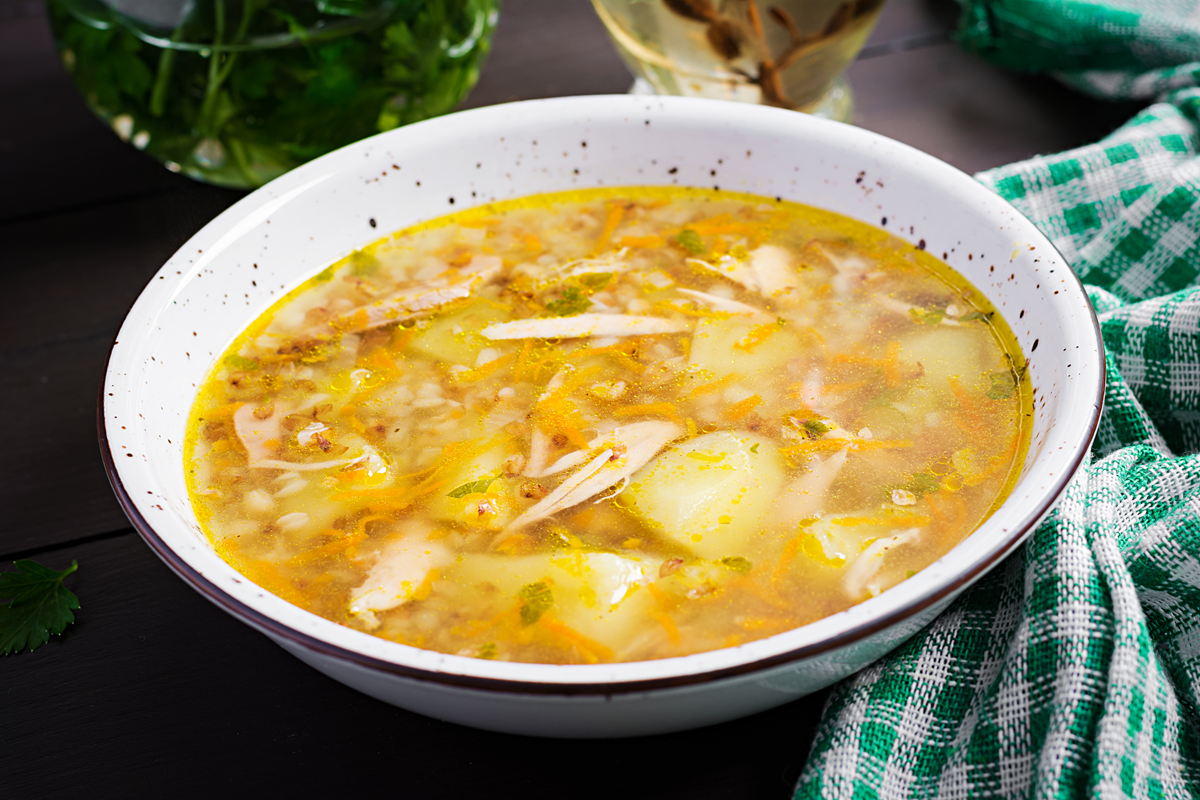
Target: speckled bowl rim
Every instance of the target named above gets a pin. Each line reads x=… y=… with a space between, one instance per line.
x=623 y=679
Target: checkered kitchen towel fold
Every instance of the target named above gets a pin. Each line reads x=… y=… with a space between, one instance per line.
x=1073 y=669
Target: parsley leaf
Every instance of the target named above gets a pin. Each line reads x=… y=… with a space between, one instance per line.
x=235 y=361
x=815 y=428
x=930 y=317
x=473 y=487
x=736 y=564
x=689 y=240
x=922 y=483
x=596 y=280
x=1002 y=386
x=572 y=301
x=488 y=651
x=37 y=605
x=537 y=599
x=977 y=315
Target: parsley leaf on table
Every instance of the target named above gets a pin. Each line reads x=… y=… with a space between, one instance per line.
x=33 y=604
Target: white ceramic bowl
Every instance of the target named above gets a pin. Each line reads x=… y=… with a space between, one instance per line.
x=272 y=240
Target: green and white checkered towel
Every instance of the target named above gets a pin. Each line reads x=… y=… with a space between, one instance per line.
x=1073 y=668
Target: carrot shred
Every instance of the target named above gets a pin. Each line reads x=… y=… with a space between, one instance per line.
x=227 y=410
x=915 y=520
x=721 y=383
x=262 y=573
x=938 y=513
x=891 y=365
x=854 y=358
x=591 y=650
x=847 y=386
x=401 y=338
x=643 y=242
x=756 y=336
x=692 y=311
x=522 y=362
x=786 y=557
x=667 y=410
x=668 y=625
x=423 y=591
x=616 y=212
x=740 y=410
x=826 y=445
x=483 y=370
x=967 y=403
x=621 y=352
x=326 y=550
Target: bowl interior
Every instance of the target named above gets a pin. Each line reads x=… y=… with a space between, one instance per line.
x=266 y=244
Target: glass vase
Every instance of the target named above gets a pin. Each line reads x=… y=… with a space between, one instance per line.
x=237 y=92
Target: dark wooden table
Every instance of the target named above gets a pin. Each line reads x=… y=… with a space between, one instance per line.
x=155 y=692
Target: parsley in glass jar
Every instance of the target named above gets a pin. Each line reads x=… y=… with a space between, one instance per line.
x=237 y=92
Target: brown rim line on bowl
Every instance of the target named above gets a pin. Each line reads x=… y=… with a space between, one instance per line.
x=269 y=242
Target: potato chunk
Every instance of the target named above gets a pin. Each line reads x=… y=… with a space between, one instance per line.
x=595 y=593
x=945 y=352
x=711 y=493
x=722 y=346
x=490 y=504
x=454 y=337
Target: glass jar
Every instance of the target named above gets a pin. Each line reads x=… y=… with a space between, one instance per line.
x=237 y=92
x=790 y=53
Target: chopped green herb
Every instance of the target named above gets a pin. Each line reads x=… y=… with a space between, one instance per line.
x=596 y=280
x=883 y=400
x=241 y=362
x=736 y=564
x=537 y=599
x=689 y=240
x=37 y=605
x=488 y=651
x=363 y=265
x=977 y=315
x=474 y=487
x=1003 y=386
x=815 y=428
x=754 y=448
x=572 y=301
x=922 y=483
x=927 y=317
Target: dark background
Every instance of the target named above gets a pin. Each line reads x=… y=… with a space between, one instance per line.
x=154 y=692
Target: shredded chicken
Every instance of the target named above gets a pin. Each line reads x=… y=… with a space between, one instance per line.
x=776 y=276
x=632 y=447
x=613 y=263
x=395 y=578
x=805 y=496
x=726 y=305
x=541 y=447
x=422 y=298
x=769 y=272
x=857 y=579
x=582 y=326
x=262 y=437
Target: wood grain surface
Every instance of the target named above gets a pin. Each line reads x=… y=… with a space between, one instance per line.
x=154 y=692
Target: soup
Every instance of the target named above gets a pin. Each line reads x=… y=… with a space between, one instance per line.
x=608 y=425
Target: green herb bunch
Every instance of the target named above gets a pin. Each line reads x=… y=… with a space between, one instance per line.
x=238 y=92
